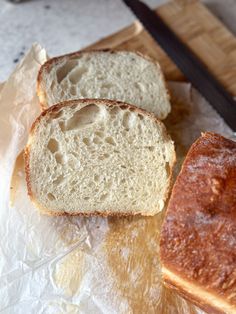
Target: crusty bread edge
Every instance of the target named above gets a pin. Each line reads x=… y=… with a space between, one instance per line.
x=170 y=277
x=46 y=66
x=195 y=293
x=107 y=103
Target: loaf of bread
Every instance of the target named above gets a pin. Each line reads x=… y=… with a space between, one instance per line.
x=198 y=238
x=121 y=75
x=98 y=157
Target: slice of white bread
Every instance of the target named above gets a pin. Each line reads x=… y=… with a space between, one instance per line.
x=121 y=75
x=102 y=157
x=198 y=237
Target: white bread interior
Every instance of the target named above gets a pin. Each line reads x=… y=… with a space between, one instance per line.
x=98 y=157
x=121 y=75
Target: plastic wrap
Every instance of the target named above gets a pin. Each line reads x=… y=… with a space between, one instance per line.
x=75 y=264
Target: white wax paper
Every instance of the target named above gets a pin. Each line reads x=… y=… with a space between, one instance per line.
x=82 y=265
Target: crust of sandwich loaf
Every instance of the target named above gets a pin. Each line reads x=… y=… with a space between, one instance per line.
x=47 y=65
x=104 y=102
x=195 y=294
x=182 y=233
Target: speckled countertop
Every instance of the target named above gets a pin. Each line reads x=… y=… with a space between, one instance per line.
x=63 y=26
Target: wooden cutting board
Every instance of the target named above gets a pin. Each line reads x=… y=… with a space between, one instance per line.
x=206 y=36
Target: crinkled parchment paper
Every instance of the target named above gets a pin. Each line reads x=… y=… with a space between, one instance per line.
x=81 y=265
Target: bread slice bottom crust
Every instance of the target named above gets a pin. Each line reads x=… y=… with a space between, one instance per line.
x=195 y=294
x=47 y=212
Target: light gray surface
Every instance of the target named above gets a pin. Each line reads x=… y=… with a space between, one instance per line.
x=63 y=26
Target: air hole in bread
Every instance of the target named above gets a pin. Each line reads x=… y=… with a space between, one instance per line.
x=65 y=85
x=75 y=155
x=53 y=145
x=116 y=123
x=83 y=117
x=62 y=126
x=128 y=120
x=76 y=75
x=151 y=148
x=97 y=140
x=57 y=114
x=167 y=167
x=100 y=134
x=86 y=198
x=114 y=110
x=83 y=93
x=76 y=139
x=63 y=71
x=51 y=197
x=103 y=94
x=96 y=178
x=59 y=158
x=103 y=197
x=110 y=140
x=90 y=184
x=108 y=185
x=140 y=116
x=139 y=86
x=107 y=85
x=59 y=180
x=62 y=94
x=52 y=85
x=104 y=156
x=101 y=77
x=73 y=90
x=86 y=141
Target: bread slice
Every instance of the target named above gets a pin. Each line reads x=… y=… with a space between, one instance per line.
x=198 y=238
x=121 y=75
x=98 y=157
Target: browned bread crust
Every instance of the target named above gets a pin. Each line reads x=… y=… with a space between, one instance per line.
x=198 y=238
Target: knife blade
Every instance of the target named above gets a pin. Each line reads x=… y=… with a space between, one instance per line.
x=188 y=63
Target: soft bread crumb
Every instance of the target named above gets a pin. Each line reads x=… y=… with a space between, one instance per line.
x=99 y=156
x=120 y=75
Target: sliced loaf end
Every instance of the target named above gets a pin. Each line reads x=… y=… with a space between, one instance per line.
x=98 y=157
x=118 y=75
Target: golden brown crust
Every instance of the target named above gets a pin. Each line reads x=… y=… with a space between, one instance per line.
x=47 y=65
x=198 y=237
x=55 y=108
x=196 y=299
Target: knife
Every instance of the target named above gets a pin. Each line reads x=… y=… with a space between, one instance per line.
x=189 y=64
